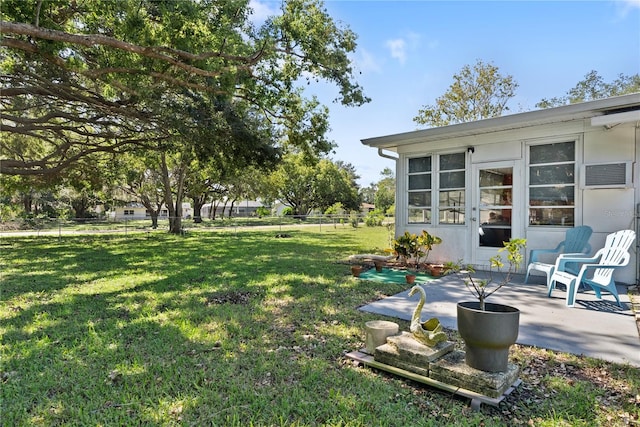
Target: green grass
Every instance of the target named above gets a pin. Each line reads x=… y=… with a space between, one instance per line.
x=233 y=329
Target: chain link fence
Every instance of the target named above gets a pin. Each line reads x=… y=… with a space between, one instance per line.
x=53 y=226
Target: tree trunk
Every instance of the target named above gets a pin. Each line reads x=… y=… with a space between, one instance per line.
x=231 y=208
x=154 y=210
x=198 y=203
x=80 y=206
x=224 y=207
x=154 y=219
x=174 y=208
x=27 y=202
x=212 y=212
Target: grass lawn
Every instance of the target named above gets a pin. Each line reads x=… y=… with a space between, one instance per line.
x=238 y=329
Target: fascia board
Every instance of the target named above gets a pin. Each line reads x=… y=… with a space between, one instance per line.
x=582 y=111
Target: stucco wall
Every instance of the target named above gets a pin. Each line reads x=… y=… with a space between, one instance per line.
x=605 y=210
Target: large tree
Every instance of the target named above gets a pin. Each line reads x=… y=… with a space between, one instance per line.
x=101 y=75
x=385 y=196
x=305 y=185
x=140 y=178
x=478 y=92
x=594 y=87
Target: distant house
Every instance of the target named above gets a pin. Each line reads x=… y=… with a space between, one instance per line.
x=136 y=210
x=528 y=175
x=367 y=207
x=243 y=208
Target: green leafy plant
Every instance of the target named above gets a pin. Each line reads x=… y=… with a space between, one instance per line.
x=414 y=246
x=374 y=218
x=354 y=219
x=496 y=277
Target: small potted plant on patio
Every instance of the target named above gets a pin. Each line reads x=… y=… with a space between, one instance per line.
x=411 y=246
x=488 y=329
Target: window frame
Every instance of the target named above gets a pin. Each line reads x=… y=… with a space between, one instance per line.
x=439 y=208
x=575 y=140
x=428 y=208
x=435 y=171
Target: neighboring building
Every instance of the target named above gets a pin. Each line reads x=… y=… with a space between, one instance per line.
x=243 y=208
x=529 y=175
x=365 y=208
x=136 y=210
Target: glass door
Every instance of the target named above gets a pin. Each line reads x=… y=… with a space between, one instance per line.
x=493 y=209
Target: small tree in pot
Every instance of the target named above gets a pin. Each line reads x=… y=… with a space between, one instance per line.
x=485 y=287
x=489 y=330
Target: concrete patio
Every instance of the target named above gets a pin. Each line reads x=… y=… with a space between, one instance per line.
x=595 y=328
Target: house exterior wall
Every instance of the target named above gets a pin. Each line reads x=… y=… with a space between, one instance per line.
x=606 y=210
x=136 y=212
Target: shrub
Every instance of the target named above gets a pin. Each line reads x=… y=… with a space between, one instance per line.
x=374 y=218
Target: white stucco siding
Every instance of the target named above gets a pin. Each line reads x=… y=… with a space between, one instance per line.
x=508 y=140
x=613 y=145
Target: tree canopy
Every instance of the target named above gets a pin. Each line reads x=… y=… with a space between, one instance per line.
x=94 y=76
x=594 y=87
x=306 y=186
x=478 y=92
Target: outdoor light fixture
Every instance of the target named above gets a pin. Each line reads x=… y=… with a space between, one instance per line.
x=610 y=120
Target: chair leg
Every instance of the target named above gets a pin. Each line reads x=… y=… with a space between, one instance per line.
x=551 y=286
x=572 y=292
x=549 y=275
x=611 y=288
x=526 y=278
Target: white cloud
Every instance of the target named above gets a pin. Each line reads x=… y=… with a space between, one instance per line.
x=365 y=62
x=262 y=10
x=625 y=7
x=397 y=49
x=400 y=48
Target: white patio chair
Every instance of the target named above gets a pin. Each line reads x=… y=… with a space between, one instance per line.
x=576 y=241
x=597 y=271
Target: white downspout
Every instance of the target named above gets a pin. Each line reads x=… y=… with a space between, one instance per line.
x=387 y=156
x=395 y=159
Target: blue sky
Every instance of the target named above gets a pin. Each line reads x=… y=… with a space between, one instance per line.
x=408 y=52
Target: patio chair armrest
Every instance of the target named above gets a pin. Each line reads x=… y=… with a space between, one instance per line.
x=537 y=252
x=585 y=267
x=565 y=259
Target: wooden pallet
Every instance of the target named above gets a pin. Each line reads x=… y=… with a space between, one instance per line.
x=476 y=399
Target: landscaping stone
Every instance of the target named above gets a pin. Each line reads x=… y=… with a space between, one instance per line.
x=404 y=352
x=452 y=369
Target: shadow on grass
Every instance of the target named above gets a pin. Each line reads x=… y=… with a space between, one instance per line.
x=129 y=331
x=208 y=329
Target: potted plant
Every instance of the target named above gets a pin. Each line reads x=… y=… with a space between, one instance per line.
x=489 y=330
x=356 y=270
x=426 y=242
x=436 y=270
x=416 y=247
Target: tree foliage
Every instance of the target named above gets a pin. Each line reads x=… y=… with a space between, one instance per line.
x=594 y=87
x=111 y=76
x=385 y=195
x=305 y=186
x=477 y=92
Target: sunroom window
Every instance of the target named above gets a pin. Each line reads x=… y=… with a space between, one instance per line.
x=419 y=193
x=552 y=184
x=451 y=189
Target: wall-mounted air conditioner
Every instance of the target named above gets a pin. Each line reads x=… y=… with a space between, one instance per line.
x=607 y=175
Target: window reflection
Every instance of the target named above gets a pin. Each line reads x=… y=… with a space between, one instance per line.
x=496 y=196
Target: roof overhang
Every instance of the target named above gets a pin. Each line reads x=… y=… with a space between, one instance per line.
x=605 y=112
